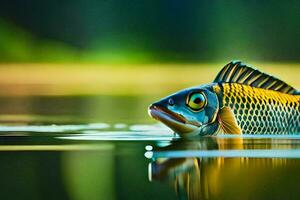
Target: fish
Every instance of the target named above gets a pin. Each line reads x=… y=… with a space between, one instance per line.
x=240 y=100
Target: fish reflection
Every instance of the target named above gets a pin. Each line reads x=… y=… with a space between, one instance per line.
x=221 y=177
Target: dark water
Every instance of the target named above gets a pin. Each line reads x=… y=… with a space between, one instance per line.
x=107 y=148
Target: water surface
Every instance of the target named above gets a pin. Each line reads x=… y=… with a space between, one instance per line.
x=106 y=147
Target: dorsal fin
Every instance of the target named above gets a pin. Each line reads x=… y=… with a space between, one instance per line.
x=237 y=72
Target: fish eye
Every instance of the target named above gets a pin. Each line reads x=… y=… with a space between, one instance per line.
x=196 y=101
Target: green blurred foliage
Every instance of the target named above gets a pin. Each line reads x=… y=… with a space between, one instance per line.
x=116 y=31
x=17 y=45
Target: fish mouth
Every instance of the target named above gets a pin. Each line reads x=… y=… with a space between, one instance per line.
x=175 y=121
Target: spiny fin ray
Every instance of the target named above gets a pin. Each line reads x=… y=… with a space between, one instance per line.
x=237 y=72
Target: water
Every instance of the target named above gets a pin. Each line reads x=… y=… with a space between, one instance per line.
x=106 y=147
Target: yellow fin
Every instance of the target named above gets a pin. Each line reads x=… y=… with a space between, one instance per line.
x=227 y=121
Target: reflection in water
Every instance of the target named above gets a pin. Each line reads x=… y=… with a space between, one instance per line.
x=227 y=178
x=89 y=175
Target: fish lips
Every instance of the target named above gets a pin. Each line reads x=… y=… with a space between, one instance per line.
x=176 y=122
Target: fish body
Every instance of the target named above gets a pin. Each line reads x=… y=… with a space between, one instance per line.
x=241 y=100
x=261 y=111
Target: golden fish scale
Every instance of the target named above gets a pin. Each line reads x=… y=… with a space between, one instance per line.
x=261 y=111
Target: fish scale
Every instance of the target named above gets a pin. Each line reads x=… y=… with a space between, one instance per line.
x=259 y=110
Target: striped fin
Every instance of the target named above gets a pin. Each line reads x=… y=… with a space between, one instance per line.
x=237 y=72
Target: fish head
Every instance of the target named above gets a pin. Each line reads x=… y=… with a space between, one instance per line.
x=188 y=112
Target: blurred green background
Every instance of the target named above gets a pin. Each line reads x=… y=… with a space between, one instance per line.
x=92 y=61
x=133 y=31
